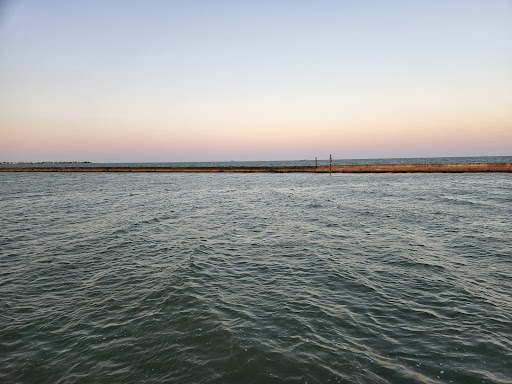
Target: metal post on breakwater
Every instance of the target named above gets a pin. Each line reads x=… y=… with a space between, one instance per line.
x=330 y=164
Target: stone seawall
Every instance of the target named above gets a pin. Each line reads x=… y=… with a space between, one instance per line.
x=364 y=168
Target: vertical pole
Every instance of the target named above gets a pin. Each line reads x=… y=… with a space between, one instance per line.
x=316 y=162
x=330 y=164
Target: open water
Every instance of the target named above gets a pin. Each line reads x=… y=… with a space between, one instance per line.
x=280 y=163
x=255 y=278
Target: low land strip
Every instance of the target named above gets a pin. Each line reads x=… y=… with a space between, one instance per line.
x=365 y=168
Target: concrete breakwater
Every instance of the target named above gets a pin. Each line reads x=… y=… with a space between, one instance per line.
x=351 y=168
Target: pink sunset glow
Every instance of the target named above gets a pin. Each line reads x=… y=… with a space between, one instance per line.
x=395 y=88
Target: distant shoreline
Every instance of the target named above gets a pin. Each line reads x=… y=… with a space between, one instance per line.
x=351 y=168
x=43 y=162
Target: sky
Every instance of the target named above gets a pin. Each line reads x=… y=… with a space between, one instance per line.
x=147 y=81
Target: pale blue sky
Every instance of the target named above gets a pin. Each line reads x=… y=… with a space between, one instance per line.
x=213 y=80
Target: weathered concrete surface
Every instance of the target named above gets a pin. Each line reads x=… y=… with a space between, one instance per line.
x=367 y=168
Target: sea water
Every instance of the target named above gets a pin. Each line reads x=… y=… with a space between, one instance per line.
x=277 y=163
x=255 y=278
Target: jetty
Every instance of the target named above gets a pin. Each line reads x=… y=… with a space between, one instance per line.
x=350 y=168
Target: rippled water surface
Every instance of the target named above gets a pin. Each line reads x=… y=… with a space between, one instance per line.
x=255 y=278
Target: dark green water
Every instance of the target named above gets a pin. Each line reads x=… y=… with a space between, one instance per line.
x=255 y=278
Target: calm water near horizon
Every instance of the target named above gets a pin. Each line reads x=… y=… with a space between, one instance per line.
x=311 y=162
x=255 y=278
